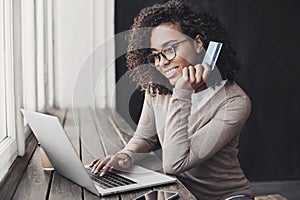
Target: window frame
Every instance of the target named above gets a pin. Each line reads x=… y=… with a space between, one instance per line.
x=9 y=146
x=3 y=132
x=30 y=60
x=26 y=44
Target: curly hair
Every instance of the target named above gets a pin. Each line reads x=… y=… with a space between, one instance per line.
x=191 y=24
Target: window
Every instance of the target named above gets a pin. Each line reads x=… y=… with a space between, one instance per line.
x=3 y=133
x=8 y=144
x=23 y=71
x=33 y=66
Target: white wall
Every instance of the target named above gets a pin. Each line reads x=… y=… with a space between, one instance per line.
x=79 y=27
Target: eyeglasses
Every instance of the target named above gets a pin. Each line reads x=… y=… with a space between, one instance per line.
x=168 y=53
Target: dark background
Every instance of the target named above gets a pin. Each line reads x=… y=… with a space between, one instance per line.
x=265 y=35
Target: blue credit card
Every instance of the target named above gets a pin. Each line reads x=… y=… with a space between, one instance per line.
x=212 y=53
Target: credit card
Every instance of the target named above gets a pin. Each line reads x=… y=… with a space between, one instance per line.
x=212 y=53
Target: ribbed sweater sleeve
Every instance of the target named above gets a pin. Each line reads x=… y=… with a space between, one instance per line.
x=145 y=137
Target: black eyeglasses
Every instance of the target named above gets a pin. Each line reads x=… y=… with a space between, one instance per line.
x=168 y=53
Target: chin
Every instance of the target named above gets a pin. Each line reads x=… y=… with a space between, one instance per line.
x=173 y=82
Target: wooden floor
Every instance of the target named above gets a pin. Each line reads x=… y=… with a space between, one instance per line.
x=93 y=134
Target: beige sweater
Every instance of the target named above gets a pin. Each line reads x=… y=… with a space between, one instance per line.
x=201 y=148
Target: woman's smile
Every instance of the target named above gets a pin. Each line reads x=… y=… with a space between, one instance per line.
x=170 y=73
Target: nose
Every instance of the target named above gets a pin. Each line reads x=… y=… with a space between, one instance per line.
x=163 y=61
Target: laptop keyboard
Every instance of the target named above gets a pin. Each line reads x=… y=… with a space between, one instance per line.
x=110 y=179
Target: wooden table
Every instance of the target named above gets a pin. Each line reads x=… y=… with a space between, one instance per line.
x=96 y=134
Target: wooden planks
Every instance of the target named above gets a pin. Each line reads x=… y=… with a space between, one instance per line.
x=119 y=120
x=91 y=145
x=35 y=181
x=11 y=183
x=111 y=140
x=91 y=140
x=63 y=188
x=121 y=127
x=271 y=197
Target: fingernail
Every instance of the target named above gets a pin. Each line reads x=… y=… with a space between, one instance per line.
x=102 y=173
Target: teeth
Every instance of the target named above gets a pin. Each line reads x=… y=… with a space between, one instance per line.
x=170 y=72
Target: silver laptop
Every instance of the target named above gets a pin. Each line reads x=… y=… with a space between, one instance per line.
x=66 y=162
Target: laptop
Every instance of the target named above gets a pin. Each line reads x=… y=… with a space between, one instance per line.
x=66 y=162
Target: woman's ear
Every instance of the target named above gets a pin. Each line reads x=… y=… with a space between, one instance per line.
x=198 y=44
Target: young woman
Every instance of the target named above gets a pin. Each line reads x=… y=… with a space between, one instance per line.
x=193 y=112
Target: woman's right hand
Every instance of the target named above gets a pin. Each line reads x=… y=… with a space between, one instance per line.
x=120 y=159
x=193 y=77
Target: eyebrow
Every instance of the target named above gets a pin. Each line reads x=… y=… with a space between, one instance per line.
x=165 y=44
